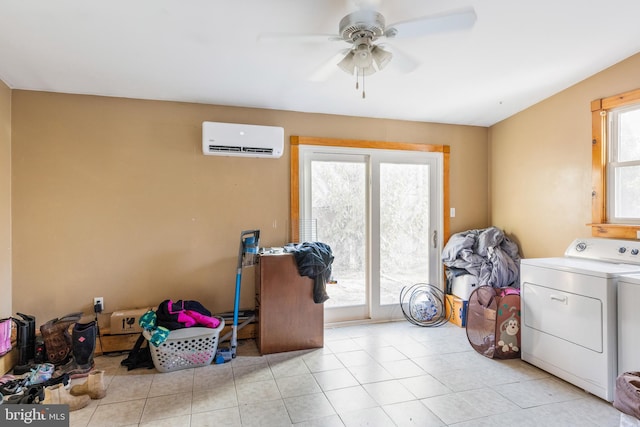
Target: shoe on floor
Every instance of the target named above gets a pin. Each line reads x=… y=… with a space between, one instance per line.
x=34 y=394
x=94 y=387
x=58 y=395
x=40 y=373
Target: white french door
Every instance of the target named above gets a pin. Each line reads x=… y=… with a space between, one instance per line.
x=380 y=211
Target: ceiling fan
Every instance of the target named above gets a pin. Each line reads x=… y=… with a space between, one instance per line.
x=364 y=27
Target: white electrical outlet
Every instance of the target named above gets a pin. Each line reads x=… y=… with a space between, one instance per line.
x=100 y=301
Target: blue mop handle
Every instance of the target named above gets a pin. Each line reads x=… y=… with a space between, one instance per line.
x=236 y=303
x=247 y=245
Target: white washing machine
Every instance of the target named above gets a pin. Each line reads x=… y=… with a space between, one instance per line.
x=569 y=311
x=628 y=323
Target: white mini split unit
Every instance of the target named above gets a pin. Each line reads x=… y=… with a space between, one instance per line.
x=230 y=139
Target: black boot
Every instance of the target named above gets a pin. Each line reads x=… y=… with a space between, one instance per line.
x=83 y=345
x=26 y=336
x=31 y=337
x=22 y=338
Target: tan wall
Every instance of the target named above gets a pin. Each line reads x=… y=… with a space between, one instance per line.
x=540 y=163
x=5 y=200
x=114 y=198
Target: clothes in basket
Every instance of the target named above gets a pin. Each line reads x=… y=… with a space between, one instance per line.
x=186 y=348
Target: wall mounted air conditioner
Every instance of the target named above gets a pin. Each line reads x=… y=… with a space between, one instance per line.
x=230 y=139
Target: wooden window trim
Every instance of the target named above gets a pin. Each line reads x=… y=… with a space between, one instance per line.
x=600 y=227
x=296 y=141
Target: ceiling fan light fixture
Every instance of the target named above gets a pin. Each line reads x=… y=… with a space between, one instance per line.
x=362 y=57
x=381 y=57
x=347 y=65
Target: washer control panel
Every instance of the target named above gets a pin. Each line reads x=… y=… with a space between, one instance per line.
x=612 y=250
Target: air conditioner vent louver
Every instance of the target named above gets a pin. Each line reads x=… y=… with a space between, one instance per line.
x=229 y=139
x=257 y=150
x=222 y=148
x=226 y=148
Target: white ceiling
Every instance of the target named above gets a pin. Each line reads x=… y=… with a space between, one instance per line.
x=518 y=53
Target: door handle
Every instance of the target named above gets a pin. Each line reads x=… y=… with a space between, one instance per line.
x=435 y=239
x=559 y=298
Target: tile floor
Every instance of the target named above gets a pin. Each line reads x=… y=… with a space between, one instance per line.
x=388 y=374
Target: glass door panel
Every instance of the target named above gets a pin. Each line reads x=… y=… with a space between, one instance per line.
x=404 y=228
x=338 y=206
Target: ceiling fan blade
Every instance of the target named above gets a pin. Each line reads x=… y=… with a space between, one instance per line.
x=433 y=24
x=297 y=38
x=402 y=61
x=329 y=67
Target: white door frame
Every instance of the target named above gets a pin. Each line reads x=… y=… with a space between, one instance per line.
x=373 y=158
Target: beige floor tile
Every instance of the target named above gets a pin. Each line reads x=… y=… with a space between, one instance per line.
x=252 y=373
x=350 y=399
x=228 y=417
x=335 y=379
x=172 y=383
x=288 y=367
x=355 y=358
x=539 y=392
x=248 y=361
x=468 y=405
x=179 y=421
x=81 y=417
x=412 y=414
x=298 y=385
x=118 y=414
x=331 y=421
x=424 y=386
x=402 y=368
x=323 y=362
x=127 y=387
x=271 y=413
x=308 y=407
x=258 y=391
x=388 y=392
x=370 y=373
x=213 y=399
x=342 y=345
x=216 y=376
x=172 y=405
x=413 y=349
x=374 y=417
x=386 y=354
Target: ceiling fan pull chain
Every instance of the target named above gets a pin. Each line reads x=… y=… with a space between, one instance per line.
x=363 y=84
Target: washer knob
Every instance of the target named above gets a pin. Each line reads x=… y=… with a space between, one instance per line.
x=622 y=249
x=581 y=246
x=634 y=252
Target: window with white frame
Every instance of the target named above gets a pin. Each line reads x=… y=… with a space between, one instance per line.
x=615 y=166
x=623 y=165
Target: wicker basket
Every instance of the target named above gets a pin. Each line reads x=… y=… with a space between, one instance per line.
x=186 y=348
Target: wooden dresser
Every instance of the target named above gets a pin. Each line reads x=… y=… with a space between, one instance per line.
x=287 y=317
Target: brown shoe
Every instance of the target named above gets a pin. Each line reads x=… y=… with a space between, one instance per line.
x=94 y=386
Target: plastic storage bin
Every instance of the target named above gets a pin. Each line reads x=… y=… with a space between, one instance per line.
x=186 y=348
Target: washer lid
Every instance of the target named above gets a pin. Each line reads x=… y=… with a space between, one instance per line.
x=634 y=279
x=583 y=266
